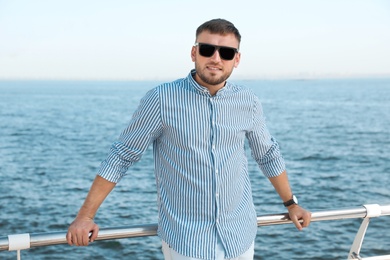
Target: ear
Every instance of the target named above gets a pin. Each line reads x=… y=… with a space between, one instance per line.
x=193 y=53
x=237 y=59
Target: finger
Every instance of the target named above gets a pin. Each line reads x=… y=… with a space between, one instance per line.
x=296 y=222
x=69 y=238
x=85 y=239
x=74 y=240
x=94 y=234
x=81 y=240
x=307 y=219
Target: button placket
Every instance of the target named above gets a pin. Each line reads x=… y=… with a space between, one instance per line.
x=213 y=152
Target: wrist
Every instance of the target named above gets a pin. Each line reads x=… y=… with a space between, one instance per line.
x=291 y=202
x=83 y=218
x=84 y=215
x=293 y=206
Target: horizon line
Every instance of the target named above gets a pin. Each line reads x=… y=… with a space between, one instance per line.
x=232 y=78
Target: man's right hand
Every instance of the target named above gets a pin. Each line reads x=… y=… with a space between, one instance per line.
x=78 y=232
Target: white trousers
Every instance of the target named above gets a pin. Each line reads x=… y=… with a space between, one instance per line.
x=170 y=254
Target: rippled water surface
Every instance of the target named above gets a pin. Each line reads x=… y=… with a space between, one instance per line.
x=334 y=135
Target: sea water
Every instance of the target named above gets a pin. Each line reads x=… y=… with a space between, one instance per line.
x=334 y=135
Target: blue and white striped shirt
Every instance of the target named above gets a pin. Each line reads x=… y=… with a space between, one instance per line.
x=201 y=168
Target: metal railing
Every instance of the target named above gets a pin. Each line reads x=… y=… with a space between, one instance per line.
x=25 y=241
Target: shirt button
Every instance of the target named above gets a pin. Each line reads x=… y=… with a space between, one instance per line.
x=216 y=171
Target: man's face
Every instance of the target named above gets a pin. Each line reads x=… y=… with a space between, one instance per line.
x=213 y=71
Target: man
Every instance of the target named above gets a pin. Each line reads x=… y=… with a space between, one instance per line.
x=198 y=126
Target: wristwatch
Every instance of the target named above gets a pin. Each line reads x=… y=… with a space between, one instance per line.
x=294 y=200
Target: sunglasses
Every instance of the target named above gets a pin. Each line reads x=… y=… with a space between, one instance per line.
x=208 y=50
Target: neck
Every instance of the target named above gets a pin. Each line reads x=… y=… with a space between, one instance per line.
x=213 y=89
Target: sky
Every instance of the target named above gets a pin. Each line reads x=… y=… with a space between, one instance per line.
x=151 y=39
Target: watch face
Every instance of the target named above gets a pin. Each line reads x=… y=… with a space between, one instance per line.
x=295 y=199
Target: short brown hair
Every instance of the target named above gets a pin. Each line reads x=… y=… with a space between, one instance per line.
x=219 y=26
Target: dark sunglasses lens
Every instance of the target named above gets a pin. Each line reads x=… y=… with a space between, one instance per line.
x=206 y=50
x=227 y=53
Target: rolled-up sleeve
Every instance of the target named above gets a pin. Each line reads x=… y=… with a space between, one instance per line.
x=144 y=127
x=264 y=148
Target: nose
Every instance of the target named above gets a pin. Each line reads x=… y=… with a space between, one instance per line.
x=216 y=56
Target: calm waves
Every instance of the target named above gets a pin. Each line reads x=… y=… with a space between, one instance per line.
x=334 y=135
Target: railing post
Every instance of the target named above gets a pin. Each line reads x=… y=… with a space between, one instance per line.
x=18 y=242
x=373 y=210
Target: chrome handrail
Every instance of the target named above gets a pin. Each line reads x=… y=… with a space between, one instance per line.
x=56 y=238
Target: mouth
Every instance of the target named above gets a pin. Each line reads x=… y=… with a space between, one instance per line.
x=213 y=68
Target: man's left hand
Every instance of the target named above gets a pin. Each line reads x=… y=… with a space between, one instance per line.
x=299 y=216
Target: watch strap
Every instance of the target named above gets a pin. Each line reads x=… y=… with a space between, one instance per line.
x=291 y=201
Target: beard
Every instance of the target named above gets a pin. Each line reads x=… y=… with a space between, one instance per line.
x=210 y=79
